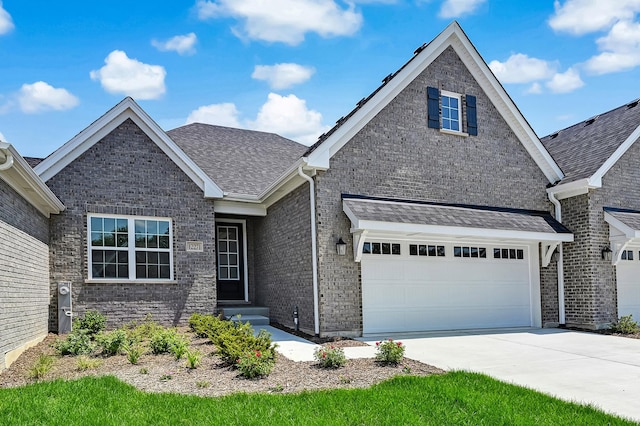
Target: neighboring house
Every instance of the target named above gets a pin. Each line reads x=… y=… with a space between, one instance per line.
x=435 y=182
x=25 y=206
x=601 y=204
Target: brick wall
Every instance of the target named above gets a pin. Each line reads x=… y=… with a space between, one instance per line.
x=24 y=273
x=396 y=155
x=283 y=266
x=126 y=173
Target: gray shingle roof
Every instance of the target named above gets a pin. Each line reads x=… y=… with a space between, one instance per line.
x=581 y=149
x=630 y=218
x=33 y=161
x=239 y=161
x=457 y=215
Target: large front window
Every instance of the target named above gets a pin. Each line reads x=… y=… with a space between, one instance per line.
x=130 y=248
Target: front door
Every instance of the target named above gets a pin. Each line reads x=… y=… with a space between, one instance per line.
x=231 y=279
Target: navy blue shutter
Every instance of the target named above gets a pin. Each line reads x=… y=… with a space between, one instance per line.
x=472 y=120
x=433 y=107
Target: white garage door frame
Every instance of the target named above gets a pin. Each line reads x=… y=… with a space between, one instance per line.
x=408 y=319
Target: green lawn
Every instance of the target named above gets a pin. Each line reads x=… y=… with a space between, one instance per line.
x=456 y=398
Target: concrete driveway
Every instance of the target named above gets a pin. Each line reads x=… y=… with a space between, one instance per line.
x=585 y=367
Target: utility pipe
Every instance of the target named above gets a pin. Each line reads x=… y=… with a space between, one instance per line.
x=314 y=250
x=558 y=215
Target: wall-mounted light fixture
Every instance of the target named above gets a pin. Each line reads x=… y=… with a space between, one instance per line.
x=341 y=247
x=606 y=254
x=555 y=256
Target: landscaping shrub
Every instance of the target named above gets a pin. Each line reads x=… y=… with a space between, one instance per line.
x=330 y=357
x=625 y=325
x=193 y=359
x=234 y=341
x=92 y=322
x=113 y=342
x=389 y=352
x=42 y=366
x=255 y=364
x=77 y=342
x=207 y=325
x=168 y=340
x=85 y=363
x=133 y=352
x=137 y=332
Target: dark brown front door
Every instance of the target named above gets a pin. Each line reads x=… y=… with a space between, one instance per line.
x=230 y=261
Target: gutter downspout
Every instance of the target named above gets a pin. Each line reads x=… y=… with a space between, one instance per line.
x=314 y=250
x=558 y=215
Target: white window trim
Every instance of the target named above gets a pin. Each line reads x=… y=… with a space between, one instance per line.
x=457 y=96
x=131 y=250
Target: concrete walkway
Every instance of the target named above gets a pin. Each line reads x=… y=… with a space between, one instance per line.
x=584 y=367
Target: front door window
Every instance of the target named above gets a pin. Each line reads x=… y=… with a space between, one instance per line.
x=230 y=261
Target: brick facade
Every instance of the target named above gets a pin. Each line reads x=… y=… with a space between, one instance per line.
x=126 y=173
x=24 y=274
x=396 y=155
x=283 y=264
x=592 y=296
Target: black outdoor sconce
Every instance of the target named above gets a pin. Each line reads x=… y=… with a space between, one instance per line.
x=606 y=254
x=341 y=247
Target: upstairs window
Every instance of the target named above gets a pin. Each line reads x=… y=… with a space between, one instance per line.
x=447 y=109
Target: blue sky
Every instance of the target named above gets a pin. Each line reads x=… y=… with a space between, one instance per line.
x=293 y=67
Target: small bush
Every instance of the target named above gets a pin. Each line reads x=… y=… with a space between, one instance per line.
x=168 y=340
x=193 y=359
x=206 y=325
x=85 y=363
x=133 y=352
x=625 y=325
x=137 y=332
x=330 y=357
x=389 y=352
x=42 y=366
x=234 y=341
x=93 y=322
x=113 y=342
x=255 y=364
x=77 y=342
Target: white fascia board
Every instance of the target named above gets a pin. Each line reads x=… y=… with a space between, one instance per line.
x=572 y=189
x=455 y=37
x=239 y=208
x=628 y=232
x=617 y=154
x=21 y=177
x=126 y=109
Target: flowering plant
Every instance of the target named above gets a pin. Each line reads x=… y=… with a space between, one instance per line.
x=330 y=357
x=389 y=352
x=255 y=364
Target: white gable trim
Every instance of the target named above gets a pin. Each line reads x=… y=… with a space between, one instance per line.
x=617 y=154
x=126 y=109
x=455 y=37
x=17 y=173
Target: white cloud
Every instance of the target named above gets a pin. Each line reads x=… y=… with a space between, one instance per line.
x=285 y=115
x=520 y=68
x=457 y=8
x=282 y=76
x=6 y=23
x=130 y=77
x=565 y=82
x=2 y=138
x=182 y=44
x=534 y=89
x=621 y=49
x=225 y=114
x=285 y=21
x=585 y=16
x=41 y=96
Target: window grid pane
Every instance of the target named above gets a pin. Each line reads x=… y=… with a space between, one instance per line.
x=450 y=113
x=228 y=253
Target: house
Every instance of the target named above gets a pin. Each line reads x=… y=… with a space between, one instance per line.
x=436 y=184
x=600 y=203
x=27 y=203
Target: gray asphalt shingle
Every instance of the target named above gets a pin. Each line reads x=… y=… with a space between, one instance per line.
x=581 y=149
x=424 y=213
x=239 y=161
x=628 y=217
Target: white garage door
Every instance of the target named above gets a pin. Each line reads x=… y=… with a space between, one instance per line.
x=628 y=277
x=436 y=286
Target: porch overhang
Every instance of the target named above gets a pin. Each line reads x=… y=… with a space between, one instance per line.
x=624 y=230
x=419 y=220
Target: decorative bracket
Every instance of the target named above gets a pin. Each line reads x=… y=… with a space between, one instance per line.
x=548 y=248
x=618 y=245
x=358 y=243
